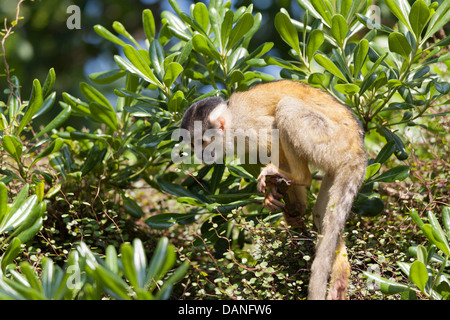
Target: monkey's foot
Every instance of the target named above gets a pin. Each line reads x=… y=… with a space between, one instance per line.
x=274 y=184
x=270 y=175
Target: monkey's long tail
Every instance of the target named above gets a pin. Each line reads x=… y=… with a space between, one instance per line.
x=338 y=192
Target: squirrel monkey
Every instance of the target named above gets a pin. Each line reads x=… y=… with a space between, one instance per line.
x=314 y=129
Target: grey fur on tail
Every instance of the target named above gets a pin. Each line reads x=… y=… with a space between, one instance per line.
x=341 y=192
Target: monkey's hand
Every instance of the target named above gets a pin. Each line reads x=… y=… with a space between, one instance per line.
x=269 y=178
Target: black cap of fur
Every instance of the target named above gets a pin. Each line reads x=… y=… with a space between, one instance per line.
x=199 y=111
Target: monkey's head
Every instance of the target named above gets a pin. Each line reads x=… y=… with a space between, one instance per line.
x=206 y=119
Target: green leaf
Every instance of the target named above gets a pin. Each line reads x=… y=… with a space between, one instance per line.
x=360 y=57
x=200 y=44
x=387 y=286
x=49 y=82
x=201 y=15
x=18 y=214
x=52 y=148
x=316 y=38
x=418 y=274
x=148 y=21
x=172 y=72
x=329 y=66
x=105 y=33
x=158 y=262
x=316 y=78
x=445 y=218
x=174 y=189
x=94 y=157
x=13 y=146
x=243 y=26
x=126 y=251
x=93 y=95
x=372 y=170
x=57 y=121
x=120 y=29
x=386 y=152
x=14 y=248
x=138 y=65
x=396 y=10
x=176 y=102
x=368 y=207
x=132 y=207
x=76 y=104
x=435 y=239
x=439 y=233
x=3 y=201
x=399 y=44
x=287 y=31
x=46 y=106
x=166 y=220
x=418 y=17
x=35 y=103
x=398 y=173
x=107 y=77
x=104 y=115
x=440 y=18
x=339 y=28
x=323 y=8
x=225 y=29
x=157 y=57
x=347 y=88
x=416 y=218
x=111 y=259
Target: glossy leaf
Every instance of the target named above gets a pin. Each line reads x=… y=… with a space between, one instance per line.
x=56 y=122
x=372 y=170
x=360 y=57
x=201 y=15
x=148 y=21
x=287 y=31
x=399 y=44
x=347 y=88
x=132 y=207
x=13 y=146
x=438 y=233
x=386 y=152
x=18 y=214
x=52 y=148
x=418 y=274
x=398 y=173
x=172 y=72
x=397 y=11
x=3 y=201
x=316 y=39
x=49 y=82
x=440 y=18
x=418 y=17
x=13 y=249
x=339 y=28
x=104 y=115
x=137 y=65
x=329 y=66
x=35 y=103
x=243 y=26
x=105 y=33
x=107 y=77
x=446 y=220
x=225 y=29
x=387 y=286
x=46 y=105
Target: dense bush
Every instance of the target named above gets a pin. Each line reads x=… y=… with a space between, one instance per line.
x=115 y=183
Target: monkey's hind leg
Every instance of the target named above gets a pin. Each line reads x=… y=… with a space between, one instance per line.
x=340 y=273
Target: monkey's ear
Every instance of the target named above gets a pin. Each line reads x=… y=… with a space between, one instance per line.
x=216 y=118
